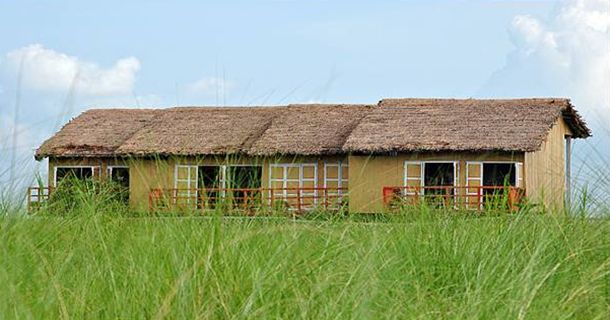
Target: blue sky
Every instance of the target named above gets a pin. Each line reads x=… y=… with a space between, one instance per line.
x=308 y=50
x=58 y=58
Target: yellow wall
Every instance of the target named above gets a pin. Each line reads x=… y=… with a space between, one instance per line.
x=369 y=174
x=543 y=171
x=150 y=173
x=142 y=174
x=545 y=168
x=146 y=174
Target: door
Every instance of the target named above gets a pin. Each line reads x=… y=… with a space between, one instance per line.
x=119 y=176
x=244 y=183
x=439 y=180
x=210 y=185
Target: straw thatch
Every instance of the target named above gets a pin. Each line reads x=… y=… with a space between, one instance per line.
x=394 y=125
x=309 y=130
x=96 y=133
x=193 y=131
x=402 y=125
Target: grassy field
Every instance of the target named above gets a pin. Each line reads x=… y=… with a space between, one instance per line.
x=429 y=265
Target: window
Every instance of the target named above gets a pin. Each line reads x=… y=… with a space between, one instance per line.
x=439 y=174
x=336 y=176
x=210 y=180
x=185 y=185
x=494 y=174
x=519 y=173
x=490 y=174
x=413 y=177
x=246 y=179
x=290 y=182
x=243 y=177
x=229 y=177
x=120 y=176
x=209 y=183
x=432 y=179
x=419 y=174
x=499 y=174
x=237 y=181
x=76 y=172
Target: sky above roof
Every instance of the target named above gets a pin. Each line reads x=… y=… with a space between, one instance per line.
x=62 y=57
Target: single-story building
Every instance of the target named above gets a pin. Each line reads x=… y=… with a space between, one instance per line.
x=311 y=155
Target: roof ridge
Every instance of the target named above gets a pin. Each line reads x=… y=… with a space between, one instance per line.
x=356 y=124
x=255 y=137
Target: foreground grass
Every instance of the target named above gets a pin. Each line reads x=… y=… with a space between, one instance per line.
x=433 y=266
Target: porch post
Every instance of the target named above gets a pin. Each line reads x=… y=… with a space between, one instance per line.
x=568 y=195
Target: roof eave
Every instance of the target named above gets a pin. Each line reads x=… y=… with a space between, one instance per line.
x=575 y=122
x=396 y=151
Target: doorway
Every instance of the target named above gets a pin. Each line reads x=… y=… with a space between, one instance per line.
x=209 y=184
x=119 y=176
x=239 y=183
x=439 y=178
x=244 y=182
x=497 y=175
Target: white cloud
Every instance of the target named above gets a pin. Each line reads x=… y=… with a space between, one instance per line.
x=566 y=55
x=51 y=71
x=210 y=86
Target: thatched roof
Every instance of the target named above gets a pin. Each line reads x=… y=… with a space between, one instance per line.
x=401 y=125
x=192 y=131
x=394 y=125
x=309 y=130
x=96 y=133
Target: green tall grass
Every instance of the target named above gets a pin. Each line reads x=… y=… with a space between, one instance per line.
x=426 y=264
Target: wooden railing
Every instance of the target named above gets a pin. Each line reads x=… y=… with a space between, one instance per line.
x=458 y=197
x=305 y=199
x=248 y=199
x=37 y=196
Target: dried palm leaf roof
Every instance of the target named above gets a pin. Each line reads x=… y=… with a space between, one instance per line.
x=401 y=125
x=309 y=129
x=95 y=133
x=193 y=131
x=394 y=125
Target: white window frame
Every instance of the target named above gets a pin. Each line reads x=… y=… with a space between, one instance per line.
x=406 y=177
x=422 y=173
x=519 y=174
x=340 y=180
x=284 y=194
x=518 y=166
x=468 y=178
x=188 y=181
x=109 y=170
x=222 y=171
x=72 y=167
x=222 y=179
